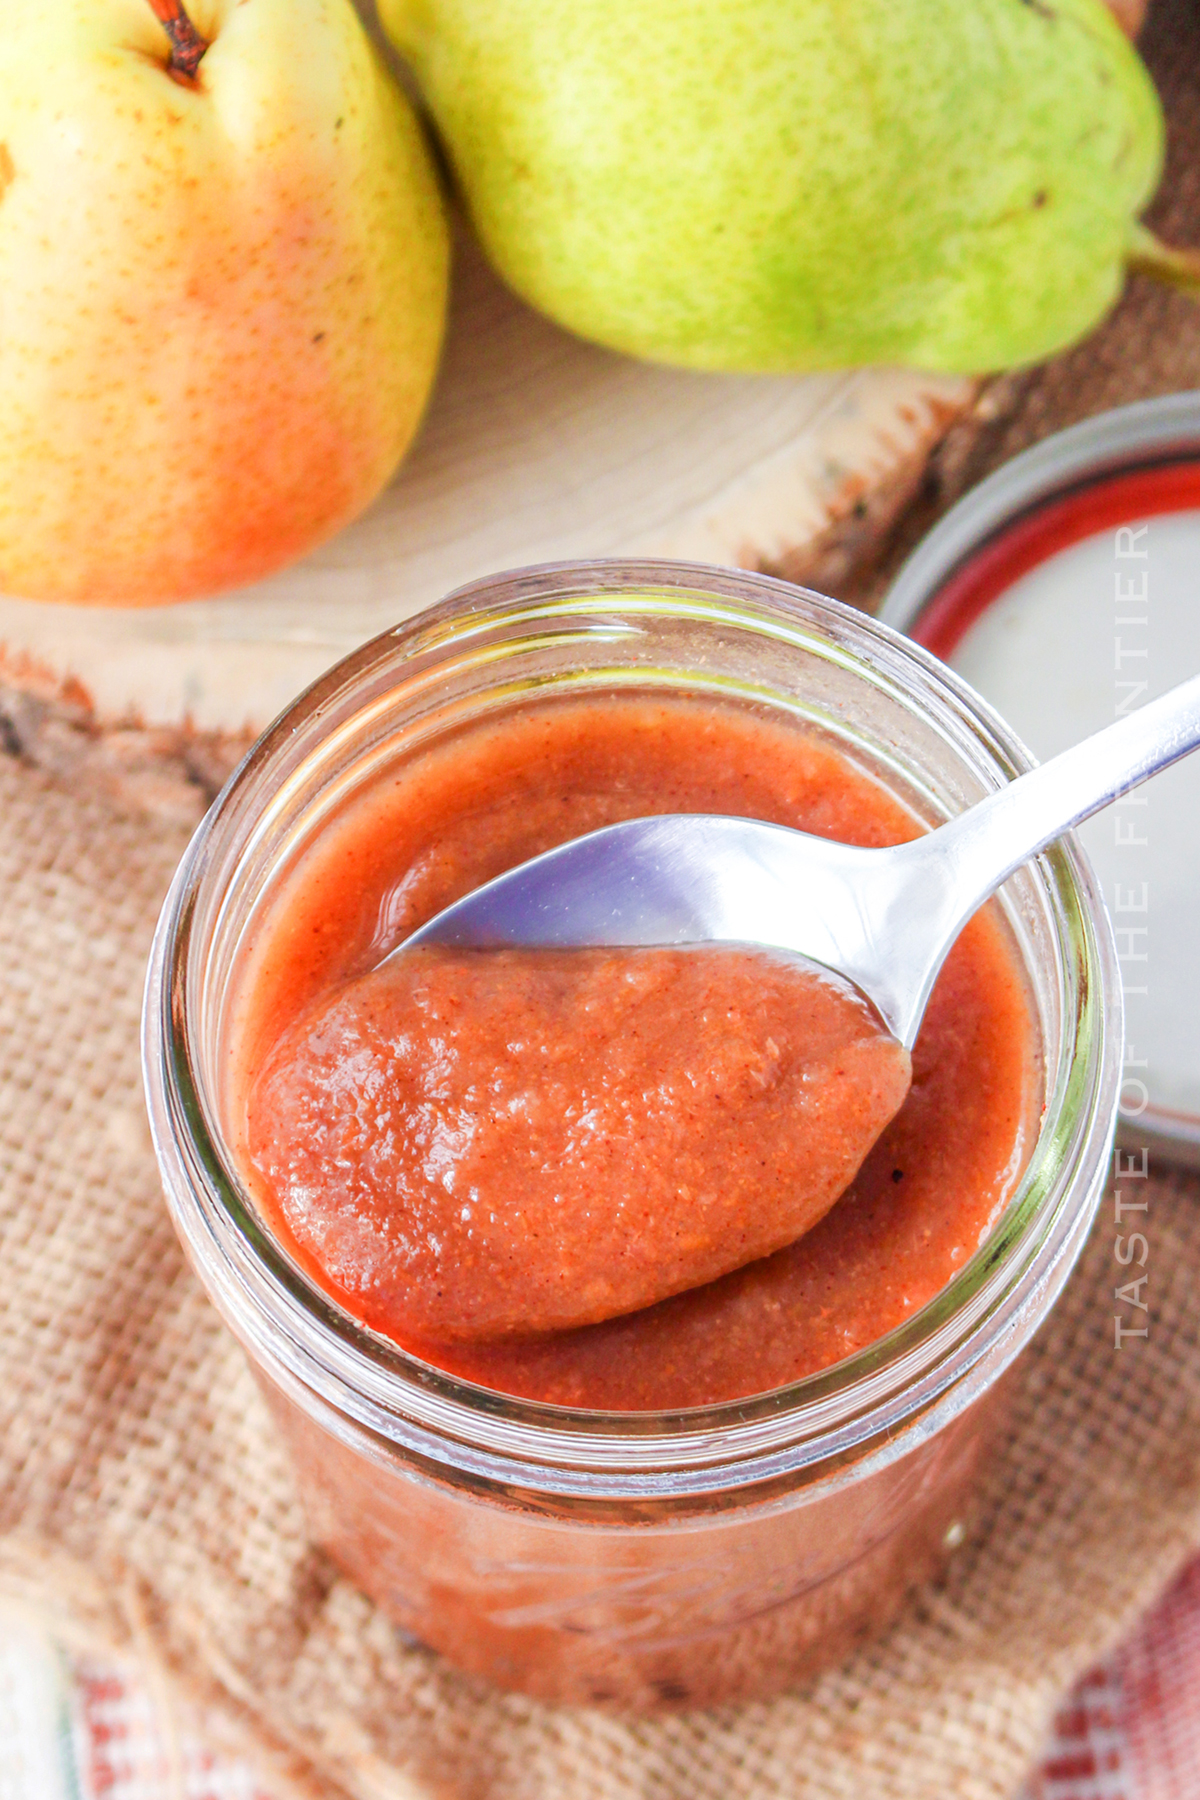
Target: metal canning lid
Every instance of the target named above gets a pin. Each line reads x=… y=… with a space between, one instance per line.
x=1066 y=589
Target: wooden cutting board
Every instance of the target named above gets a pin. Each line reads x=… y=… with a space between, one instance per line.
x=537 y=447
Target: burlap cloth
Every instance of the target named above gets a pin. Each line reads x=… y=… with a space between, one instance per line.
x=145 y=1499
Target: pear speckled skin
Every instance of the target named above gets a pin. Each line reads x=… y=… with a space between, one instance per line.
x=221 y=305
x=797 y=184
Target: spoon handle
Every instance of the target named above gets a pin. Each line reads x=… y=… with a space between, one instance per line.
x=979 y=849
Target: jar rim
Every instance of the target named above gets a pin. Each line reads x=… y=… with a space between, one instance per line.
x=925 y=1369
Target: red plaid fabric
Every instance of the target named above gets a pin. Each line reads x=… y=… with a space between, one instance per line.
x=85 y=1728
x=1131 y=1729
x=126 y=1754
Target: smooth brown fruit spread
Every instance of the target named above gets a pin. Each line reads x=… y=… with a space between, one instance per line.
x=486 y=1143
x=611 y=1179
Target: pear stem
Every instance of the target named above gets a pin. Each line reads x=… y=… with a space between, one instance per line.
x=187 y=46
x=1175 y=268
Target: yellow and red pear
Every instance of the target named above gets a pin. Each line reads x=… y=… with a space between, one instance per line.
x=223 y=268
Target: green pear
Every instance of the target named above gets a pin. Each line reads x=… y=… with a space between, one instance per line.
x=223 y=269
x=797 y=184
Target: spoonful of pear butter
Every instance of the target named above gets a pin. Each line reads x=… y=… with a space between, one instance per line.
x=643 y=1059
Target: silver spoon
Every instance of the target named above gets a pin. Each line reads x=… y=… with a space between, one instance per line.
x=885 y=919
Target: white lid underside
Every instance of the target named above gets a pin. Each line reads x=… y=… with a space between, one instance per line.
x=1045 y=654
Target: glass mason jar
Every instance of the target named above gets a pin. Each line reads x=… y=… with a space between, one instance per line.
x=637 y=1559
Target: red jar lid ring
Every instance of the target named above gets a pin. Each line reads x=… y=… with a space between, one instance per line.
x=1033 y=537
x=1015 y=655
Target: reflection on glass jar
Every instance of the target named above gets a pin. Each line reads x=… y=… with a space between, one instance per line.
x=636 y=1558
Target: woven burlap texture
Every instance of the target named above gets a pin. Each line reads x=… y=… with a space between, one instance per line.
x=146 y=1498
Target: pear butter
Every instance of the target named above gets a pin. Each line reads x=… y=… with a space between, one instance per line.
x=611 y=1179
